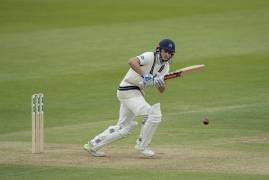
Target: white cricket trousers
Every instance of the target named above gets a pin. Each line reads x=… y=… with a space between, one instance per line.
x=130 y=108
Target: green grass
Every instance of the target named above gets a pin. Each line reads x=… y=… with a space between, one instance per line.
x=76 y=53
x=19 y=172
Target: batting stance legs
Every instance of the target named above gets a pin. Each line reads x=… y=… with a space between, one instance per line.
x=129 y=109
x=149 y=126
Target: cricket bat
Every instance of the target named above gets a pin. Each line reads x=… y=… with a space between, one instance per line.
x=183 y=71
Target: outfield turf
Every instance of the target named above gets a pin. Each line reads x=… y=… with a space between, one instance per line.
x=76 y=53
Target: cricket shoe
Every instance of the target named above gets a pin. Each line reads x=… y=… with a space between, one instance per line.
x=145 y=151
x=94 y=153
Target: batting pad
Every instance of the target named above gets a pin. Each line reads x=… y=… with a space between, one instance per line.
x=149 y=128
x=112 y=134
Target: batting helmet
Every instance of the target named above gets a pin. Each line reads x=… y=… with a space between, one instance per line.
x=168 y=45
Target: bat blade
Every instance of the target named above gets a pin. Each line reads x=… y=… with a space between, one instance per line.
x=181 y=72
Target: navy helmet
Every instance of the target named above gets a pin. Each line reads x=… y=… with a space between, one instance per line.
x=168 y=45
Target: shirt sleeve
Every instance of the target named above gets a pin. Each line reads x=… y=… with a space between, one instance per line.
x=145 y=58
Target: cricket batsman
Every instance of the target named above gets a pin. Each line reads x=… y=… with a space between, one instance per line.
x=146 y=70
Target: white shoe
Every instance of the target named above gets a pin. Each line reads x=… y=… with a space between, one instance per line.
x=145 y=151
x=87 y=148
x=148 y=153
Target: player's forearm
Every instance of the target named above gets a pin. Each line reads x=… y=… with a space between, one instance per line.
x=135 y=65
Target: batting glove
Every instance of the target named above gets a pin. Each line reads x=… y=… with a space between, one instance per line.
x=148 y=79
x=159 y=82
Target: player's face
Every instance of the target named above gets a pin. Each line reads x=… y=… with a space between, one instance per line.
x=166 y=55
